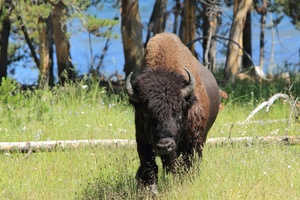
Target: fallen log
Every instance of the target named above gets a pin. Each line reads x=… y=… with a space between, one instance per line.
x=287 y=140
x=41 y=146
x=272 y=121
x=25 y=147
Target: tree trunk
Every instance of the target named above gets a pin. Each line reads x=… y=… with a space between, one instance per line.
x=45 y=30
x=234 y=52
x=4 y=41
x=209 y=30
x=177 y=11
x=132 y=36
x=271 y=65
x=247 y=42
x=212 y=56
x=189 y=24
x=263 y=13
x=157 y=21
x=44 y=54
x=64 y=62
x=50 y=48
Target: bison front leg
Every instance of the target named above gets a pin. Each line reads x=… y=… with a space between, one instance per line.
x=148 y=170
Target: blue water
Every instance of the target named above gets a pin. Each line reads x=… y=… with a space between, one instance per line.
x=287 y=44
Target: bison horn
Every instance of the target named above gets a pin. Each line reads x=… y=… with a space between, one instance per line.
x=189 y=88
x=132 y=95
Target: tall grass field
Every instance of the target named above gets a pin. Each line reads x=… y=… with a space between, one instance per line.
x=229 y=171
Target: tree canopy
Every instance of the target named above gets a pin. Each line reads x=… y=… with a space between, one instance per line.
x=37 y=33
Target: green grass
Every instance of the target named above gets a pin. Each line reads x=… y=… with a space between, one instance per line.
x=256 y=172
x=228 y=172
x=72 y=113
x=62 y=175
x=77 y=113
x=259 y=171
x=231 y=121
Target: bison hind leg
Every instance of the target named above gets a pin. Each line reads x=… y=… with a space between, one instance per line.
x=176 y=165
x=191 y=156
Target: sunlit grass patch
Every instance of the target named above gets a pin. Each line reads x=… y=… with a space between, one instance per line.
x=58 y=116
x=239 y=172
x=278 y=121
x=67 y=174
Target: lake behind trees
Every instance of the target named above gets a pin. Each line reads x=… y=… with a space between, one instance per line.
x=285 y=38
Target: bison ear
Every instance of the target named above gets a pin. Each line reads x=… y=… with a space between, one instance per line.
x=130 y=92
x=189 y=88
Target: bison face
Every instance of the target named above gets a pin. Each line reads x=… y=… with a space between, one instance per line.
x=165 y=134
x=161 y=131
x=161 y=100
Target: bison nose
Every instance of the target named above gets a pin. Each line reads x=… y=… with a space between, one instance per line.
x=165 y=145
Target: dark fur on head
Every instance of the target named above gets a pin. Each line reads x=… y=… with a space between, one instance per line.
x=162 y=110
x=160 y=91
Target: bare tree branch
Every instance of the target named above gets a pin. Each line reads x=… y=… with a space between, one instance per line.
x=105 y=48
x=28 y=41
x=223 y=38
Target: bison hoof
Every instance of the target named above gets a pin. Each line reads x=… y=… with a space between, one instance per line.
x=148 y=190
x=153 y=190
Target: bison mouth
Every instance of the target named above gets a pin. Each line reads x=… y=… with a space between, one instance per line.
x=165 y=146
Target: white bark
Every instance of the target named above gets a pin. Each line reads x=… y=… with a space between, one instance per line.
x=29 y=147
x=267 y=103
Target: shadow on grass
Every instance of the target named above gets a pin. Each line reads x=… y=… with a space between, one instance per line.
x=120 y=188
x=125 y=188
x=117 y=181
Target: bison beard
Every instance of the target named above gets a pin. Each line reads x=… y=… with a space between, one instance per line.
x=176 y=101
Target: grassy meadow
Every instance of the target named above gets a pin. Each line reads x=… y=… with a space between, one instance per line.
x=238 y=171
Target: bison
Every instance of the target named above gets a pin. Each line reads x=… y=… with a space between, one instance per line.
x=176 y=101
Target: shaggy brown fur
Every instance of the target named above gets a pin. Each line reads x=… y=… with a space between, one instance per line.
x=168 y=51
x=169 y=124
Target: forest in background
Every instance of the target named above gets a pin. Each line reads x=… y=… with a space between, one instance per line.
x=37 y=30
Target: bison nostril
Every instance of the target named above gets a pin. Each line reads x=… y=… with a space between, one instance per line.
x=165 y=144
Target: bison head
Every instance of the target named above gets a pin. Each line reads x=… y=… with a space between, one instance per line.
x=161 y=99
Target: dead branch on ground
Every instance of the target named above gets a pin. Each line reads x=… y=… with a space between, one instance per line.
x=268 y=104
x=34 y=146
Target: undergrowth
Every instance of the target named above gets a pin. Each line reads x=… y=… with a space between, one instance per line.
x=245 y=91
x=85 y=111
